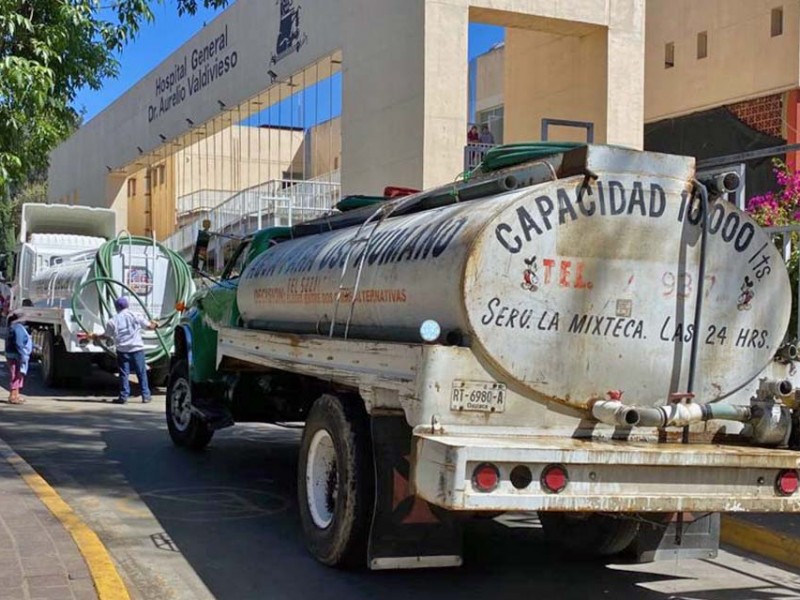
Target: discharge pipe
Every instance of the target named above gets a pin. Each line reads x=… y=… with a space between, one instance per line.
x=462 y=192
x=788 y=352
x=613 y=412
x=781 y=388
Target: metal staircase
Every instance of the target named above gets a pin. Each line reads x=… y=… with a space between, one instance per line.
x=280 y=202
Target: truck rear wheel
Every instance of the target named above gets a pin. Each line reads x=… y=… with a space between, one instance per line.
x=185 y=427
x=335 y=482
x=589 y=534
x=50 y=356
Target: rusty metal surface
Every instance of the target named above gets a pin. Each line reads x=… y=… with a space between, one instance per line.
x=568 y=450
x=603 y=476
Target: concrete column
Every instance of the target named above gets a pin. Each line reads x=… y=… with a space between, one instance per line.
x=404 y=111
x=383 y=108
x=446 y=91
x=625 y=88
x=117 y=198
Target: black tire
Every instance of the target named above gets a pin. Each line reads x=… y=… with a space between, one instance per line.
x=50 y=357
x=185 y=428
x=343 y=542
x=589 y=534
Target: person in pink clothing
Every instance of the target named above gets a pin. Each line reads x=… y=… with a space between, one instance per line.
x=19 y=347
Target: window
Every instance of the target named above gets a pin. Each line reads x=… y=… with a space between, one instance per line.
x=702 y=44
x=669 y=55
x=777 y=21
x=131 y=187
x=235 y=265
x=162 y=177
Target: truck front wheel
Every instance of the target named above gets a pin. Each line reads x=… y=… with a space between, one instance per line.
x=335 y=482
x=186 y=428
x=589 y=534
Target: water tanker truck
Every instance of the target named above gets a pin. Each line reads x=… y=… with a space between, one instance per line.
x=70 y=266
x=587 y=332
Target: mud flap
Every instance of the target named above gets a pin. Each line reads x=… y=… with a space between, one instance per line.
x=407 y=532
x=678 y=535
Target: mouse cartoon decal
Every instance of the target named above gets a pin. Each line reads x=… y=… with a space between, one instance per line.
x=530 y=276
x=746 y=297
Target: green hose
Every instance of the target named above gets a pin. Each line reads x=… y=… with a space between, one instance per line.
x=102 y=278
x=106 y=280
x=509 y=155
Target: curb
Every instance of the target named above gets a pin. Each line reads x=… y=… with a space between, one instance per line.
x=759 y=540
x=107 y=580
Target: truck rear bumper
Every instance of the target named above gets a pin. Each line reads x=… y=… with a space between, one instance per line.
x=602 y=476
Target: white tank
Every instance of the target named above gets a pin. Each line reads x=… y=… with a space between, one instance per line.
x=145 y=269
x=563 y=289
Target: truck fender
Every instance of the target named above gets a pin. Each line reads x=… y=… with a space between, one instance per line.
x=183 y=347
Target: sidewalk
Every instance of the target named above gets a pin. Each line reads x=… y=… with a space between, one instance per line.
x=38 y=557
x=772 y=535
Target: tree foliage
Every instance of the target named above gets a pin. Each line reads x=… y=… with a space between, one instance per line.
x=780 y=208
x=50 y=49
x=33 y=191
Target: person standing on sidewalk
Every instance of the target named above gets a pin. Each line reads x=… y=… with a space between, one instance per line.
x=125 y=329
x=19 y=346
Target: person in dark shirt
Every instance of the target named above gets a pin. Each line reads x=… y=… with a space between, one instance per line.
x=486 y=135
x=201 y=246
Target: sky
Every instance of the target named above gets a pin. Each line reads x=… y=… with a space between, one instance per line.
x=158 y=40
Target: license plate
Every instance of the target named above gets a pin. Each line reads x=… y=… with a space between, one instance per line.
x=479 y=396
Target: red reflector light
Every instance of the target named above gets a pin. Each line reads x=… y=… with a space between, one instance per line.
x=554 y=478
x=787 y=482
x=485 y=477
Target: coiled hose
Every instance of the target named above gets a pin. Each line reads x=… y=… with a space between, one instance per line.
x=509 y=155
x=102 y=277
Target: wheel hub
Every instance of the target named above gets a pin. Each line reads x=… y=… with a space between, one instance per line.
x=322 y=479
x=181 y=405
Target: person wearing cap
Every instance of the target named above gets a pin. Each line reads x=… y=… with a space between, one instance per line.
x=19 y=347
x=125 y=329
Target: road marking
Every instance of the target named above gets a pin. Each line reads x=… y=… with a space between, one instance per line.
x=106 y=578
x=760 y=540
x=215 y=503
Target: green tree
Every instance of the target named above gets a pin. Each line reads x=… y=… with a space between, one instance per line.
x=28 y=192
x=50 y=49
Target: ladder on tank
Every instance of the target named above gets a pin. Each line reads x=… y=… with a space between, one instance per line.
x=377 y=218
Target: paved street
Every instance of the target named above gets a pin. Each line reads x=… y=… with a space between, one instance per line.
x=224 y=523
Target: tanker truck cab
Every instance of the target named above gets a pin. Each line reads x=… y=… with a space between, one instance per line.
x=588 y=332
x=214 y=305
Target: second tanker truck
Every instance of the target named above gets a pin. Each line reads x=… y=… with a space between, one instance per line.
x=584 y=331
x=70 y=265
